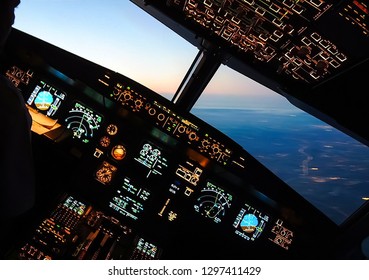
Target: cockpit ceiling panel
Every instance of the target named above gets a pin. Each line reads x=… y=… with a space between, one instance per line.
x=306 y=41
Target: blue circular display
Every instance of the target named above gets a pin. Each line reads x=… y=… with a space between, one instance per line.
x=43 y=100
x=249 y=223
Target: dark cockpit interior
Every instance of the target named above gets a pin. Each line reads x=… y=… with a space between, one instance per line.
x=124 y=173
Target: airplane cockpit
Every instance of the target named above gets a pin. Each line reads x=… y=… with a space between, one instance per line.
x=125 y=173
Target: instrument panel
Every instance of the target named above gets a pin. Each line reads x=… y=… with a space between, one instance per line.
x=139 y=179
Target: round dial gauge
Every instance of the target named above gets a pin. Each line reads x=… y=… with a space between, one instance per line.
x=118 y=152
x=112 y=129
x=105 y=141
x=105 y=173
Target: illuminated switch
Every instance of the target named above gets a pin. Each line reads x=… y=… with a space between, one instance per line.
x=188 y=191
x=98 y=153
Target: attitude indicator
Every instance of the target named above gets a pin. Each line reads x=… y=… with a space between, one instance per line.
x=250 y=223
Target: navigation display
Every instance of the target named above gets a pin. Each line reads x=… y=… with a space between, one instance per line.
x=46 y=99
x=213 y=202
x=83 y=121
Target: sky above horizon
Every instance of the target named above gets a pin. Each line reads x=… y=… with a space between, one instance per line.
x=122 y=37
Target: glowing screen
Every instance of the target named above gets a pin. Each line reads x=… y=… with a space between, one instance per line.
x=213 y=202
x=46 y=99
x=250 y=223
x=281 y=235
x=129 y=199
x=75 y=205
x=145 y=250
x=83 y=121
x=152 y=158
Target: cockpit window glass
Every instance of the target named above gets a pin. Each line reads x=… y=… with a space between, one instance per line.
x=327 y=167
x=115 y=34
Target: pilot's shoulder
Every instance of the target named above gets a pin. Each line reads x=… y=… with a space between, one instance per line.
x=11 y=100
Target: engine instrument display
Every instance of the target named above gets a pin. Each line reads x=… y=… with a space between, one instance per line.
x=152 y=158
x=213 y=202
x=46 y=99
x=83 y=121
x=129 y=199
x=250 y=223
